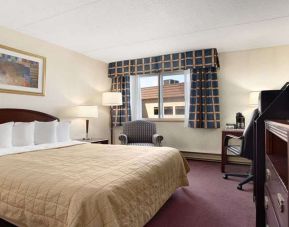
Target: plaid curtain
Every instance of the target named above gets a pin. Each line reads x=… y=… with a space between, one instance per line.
x=204 y=103
x=121 y=114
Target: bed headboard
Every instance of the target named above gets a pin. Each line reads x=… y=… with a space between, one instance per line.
x=23 y=115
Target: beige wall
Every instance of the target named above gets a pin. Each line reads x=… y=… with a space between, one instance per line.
x=74 y=79
x=71 y=79
x=241 y=72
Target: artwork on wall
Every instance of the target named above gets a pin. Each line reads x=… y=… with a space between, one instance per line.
x=21 y=72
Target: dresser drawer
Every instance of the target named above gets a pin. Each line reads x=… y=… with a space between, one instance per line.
x=271 y=218
x=277 y=193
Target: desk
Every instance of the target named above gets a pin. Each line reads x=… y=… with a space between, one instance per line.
x=234 y=132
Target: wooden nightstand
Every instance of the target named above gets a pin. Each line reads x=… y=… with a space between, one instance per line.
x=95 y=140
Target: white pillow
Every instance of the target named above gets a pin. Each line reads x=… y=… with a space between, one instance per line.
x=23 y=134
x=45 y=132
x=6 y=135
x=63 y=131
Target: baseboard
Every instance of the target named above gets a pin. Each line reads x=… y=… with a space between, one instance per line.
x=214 y=157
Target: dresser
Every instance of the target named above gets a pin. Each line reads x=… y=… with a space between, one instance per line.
x=276 y=184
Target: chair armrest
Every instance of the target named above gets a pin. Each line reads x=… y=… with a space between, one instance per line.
x=123 y=139
x=229 y=137
x=157 y=140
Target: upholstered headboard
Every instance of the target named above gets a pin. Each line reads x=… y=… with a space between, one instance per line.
x=23 y=115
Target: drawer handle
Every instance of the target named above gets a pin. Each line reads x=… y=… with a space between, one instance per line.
x=281 y=202
x=266 y=202
x=268 y=174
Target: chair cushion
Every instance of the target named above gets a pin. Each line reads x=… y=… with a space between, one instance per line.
x=141 y=144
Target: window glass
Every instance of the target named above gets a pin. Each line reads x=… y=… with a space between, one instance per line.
x=180 y=110
x=168 y=110
x=156 y=111
x=149 y=96
x=164 y=101
x=173 y=94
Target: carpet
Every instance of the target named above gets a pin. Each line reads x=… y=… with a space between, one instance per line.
x=209 y=201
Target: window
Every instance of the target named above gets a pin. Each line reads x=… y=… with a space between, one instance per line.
x=149 y=96
x=156 y=111
x=180 y=110
x=162 y=96
x=168 y=110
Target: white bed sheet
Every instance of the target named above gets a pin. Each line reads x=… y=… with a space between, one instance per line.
x=16 y=150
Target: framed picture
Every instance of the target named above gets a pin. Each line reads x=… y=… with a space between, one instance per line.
x=21 y=72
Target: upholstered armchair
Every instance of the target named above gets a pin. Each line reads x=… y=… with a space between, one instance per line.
x=140 y=133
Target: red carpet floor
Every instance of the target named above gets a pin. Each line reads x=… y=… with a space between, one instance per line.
x=209 y=201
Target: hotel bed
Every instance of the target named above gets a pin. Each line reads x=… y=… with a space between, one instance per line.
x=80 y=184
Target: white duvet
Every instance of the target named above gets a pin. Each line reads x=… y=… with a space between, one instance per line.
x=16 y=150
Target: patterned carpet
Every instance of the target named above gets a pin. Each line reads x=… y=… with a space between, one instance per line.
x=209 y=201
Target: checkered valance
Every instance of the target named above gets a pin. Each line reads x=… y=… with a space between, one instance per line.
x=203 y=64
x=165 y=63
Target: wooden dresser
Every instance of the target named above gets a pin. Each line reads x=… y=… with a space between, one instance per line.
x=276 y=185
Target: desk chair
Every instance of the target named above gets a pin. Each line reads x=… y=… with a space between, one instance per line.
x=245 y=149
x=140 y=133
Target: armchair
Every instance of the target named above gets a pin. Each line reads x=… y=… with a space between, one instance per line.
x=140 y=133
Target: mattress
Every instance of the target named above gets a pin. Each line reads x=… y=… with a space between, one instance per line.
x=88 y=185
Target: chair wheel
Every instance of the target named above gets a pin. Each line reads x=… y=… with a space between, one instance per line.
x=225 y=176
x=239 y=187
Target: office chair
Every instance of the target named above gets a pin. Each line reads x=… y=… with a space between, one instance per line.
x=245 y=149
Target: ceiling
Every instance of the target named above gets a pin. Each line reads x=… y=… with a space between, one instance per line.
x=111 y=30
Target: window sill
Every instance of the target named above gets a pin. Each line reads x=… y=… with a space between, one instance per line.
x=164 y=119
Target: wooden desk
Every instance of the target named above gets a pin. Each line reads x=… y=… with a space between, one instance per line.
x=224 y=158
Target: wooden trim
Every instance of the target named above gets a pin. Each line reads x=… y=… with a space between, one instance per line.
x=232 y=159
x=23 y=115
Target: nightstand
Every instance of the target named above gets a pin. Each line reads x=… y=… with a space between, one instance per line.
x=94 y=140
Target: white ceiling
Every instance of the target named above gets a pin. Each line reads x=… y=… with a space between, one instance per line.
x=111 y=30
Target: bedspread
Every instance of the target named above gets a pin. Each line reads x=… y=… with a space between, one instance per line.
x=88 y=185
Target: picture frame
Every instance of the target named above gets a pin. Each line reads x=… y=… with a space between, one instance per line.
x=21 y=72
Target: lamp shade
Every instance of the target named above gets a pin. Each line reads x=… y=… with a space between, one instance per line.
x=85 y=111
x=112 y=99
x=254 y=98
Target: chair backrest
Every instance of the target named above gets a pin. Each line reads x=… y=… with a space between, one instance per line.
x=248 y=142
x=139 y=131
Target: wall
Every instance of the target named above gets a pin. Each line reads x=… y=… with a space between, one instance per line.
x=71 y=79
x=240 y=73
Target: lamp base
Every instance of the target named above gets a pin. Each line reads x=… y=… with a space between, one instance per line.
x=86 y=138
x=86 y=134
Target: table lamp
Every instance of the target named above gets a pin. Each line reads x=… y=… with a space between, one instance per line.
x=111 y=99
x=254 y=98
x=86 y=112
